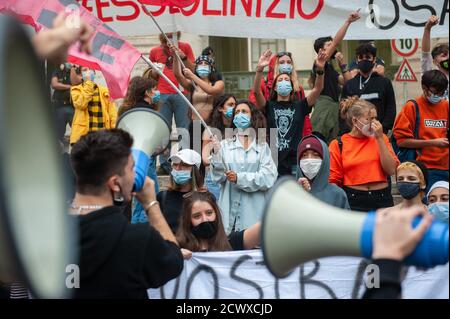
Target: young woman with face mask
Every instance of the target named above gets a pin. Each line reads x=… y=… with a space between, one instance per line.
x=206 y=88
x=220 y=120
x=244 y=167
x=283 y=63
x=438 y=201
x=185 y=177
x=284 y=113
x=201 y=228
x=313 y=171
x=94 y=108
x=142 y=92
x=363 y=160
x=202 y=94
x=411 y=177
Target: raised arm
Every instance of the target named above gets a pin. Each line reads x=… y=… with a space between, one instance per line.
x=318 y=84
x=426 y=38
x=147 y=197
x=177 y=68
x=264 y=61
x=354 y=16
x=210 y=89
x=426 y=62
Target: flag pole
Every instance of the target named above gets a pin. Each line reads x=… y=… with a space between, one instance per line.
x=148 y=12
x=151 y=64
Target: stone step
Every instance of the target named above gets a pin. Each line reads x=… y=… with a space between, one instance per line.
x=164 y=181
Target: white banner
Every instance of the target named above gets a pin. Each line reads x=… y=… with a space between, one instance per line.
x=288 y=19
x=242 y=275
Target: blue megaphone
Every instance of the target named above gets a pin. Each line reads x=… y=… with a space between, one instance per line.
x=432 y=250
x=297 y=227
x=151 y=134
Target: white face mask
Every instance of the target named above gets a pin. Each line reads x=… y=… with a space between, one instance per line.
x=310 y=167
x=365 y=129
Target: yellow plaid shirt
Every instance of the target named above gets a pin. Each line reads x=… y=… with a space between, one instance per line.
x=95 y=112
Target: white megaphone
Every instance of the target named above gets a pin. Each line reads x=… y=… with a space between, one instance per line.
x=37 y=236
x=297 y=228
x=151 y=134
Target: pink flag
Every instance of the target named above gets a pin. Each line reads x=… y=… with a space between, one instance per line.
x=111 y=54
x=174 y=3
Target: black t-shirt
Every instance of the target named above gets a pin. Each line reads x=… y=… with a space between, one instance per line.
x=236 y=240
x=331 y=82
x=288 y=118
x=171 y=206
x=62 y=96
x=122 y=260
x=378 y=90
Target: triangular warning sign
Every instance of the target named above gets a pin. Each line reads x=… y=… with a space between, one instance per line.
x=406 y=73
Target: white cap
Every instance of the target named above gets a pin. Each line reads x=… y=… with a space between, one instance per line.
x=187 y=156
x=440 y=184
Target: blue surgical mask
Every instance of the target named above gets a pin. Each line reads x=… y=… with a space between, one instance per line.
x=408 y=190
x=203 y=71
x=439 y=210
x=284 y=88
x=241 y=121
x=434 y=99
x=156 y=97
x=285 y=68
x=88 y=75
x=229 y=112
x=181 y=177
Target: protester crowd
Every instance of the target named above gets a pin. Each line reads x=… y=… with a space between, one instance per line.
x=343 y=142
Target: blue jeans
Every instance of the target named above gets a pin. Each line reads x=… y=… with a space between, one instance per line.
x=138 y=215
x=435 y=175
x=213 y=188
x=173 y=104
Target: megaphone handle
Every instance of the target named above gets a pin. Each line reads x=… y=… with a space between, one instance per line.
x=150 y=63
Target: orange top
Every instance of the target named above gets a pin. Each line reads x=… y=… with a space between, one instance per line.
x=359 y=162
x=433 y=124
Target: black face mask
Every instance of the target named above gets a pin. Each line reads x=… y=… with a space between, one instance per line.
x=408 y=190
x=205 y=230
x=365 y=66
x=444 y=64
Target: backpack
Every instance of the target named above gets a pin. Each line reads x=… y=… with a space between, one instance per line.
x=406 y=154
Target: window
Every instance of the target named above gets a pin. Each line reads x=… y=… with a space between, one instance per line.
x=260 y=45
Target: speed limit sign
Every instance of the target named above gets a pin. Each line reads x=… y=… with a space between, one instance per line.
x=405 y=47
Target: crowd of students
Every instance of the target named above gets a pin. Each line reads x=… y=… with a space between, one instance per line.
x=334 y=141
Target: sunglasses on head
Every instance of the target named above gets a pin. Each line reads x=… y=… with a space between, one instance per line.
x=280 y=54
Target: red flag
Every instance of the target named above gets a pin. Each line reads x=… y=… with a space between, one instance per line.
x=173 y=3
x=111 y=54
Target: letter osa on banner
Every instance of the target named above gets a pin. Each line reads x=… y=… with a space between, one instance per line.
x=242 y=275
x=380 y=19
